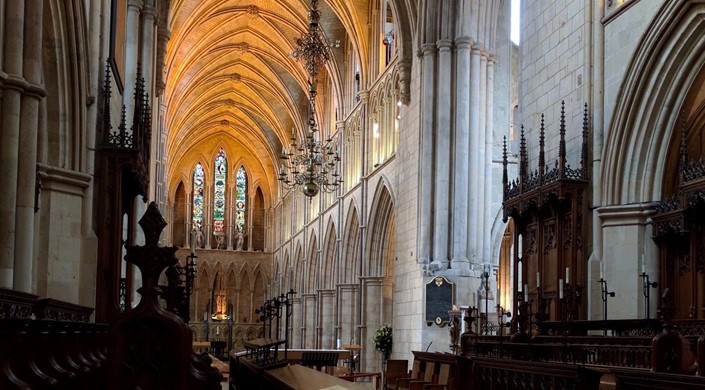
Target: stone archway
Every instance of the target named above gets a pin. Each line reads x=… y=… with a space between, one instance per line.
x=657 y=81
x=378 y=280
x=662 y=71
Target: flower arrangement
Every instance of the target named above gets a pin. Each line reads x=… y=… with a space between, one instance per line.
x=383 y=340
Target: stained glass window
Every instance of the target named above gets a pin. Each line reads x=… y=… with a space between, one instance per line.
x=221 y=171
x=197 y=209
x=240 y=199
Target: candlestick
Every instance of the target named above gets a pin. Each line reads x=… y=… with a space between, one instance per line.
x=643 y=264
x=538 y=279
x=560 y=288
x=567 y=275
x=602 y=270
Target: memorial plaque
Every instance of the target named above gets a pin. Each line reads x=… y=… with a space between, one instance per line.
x=440 y=297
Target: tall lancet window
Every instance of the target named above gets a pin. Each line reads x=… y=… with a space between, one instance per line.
x=197 y=209
x=221 y=172
x=241 y=199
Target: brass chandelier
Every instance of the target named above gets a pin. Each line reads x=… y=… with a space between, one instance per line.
x=310 y=164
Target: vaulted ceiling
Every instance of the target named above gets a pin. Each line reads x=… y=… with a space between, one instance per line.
x=230 y=73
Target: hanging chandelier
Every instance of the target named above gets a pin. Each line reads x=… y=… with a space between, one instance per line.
x=311 y=164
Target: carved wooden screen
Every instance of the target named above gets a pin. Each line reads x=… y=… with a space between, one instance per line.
x=679 y=231
x=548 y=207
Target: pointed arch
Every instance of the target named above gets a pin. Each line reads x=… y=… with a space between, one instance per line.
x=350 y=271
x=258 y=216
x=648 y=106
x=198 y=201
x=245 y=297
x=312 y=260
x=259 y=290
x=201 y=299
x=381 y=240
x=231 y=283
x=404 y=13
x=220 y=177
x=298 y=268
x=330 y=248
x=284 y=275
x=241 y=199
x=178 y=226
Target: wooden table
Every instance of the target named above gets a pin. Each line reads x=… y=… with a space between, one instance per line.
x=201 y=346
x=295 y=377
x=263 y=350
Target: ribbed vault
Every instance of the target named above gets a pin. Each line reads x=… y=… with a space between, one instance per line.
x=230 y=74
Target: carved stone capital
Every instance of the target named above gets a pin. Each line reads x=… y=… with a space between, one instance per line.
x=444 y=44
x=464 y=43
x=404 y=72
x=427 y=49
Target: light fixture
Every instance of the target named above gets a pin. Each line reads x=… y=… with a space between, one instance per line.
x=311 y=164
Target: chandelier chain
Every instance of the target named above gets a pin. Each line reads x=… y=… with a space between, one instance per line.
x=311 y=164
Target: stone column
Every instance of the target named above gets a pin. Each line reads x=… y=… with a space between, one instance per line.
x=309 y=321
x=372 y=304
x=347 y=312
x=442 y=146
x=295 y=340
x=250 y=226
x=207 y=214
x=132 y=40
x=459 y=260
x=230 y=212
x=13 y=86
x=489 y=141
x=428 y=77
x=325 y=335
x=473 y=193
x=27 y=156
x=626 y=235
x=147 y=37
x=480 y=233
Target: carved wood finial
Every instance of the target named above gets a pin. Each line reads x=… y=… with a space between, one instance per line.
x=107 y=93
x=505 y=179
x=522 y=158
x=561 y=145
x=584 y=151
x=139 y=99
x=542 y=143
x=150 y=258
x=122 y=127
x=151 y=345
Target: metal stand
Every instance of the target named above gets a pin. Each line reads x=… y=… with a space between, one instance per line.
x=486 y=277
x=605 y=295
x=271 y=310
x=189 y=272
x=647 y=286
x=501 y=314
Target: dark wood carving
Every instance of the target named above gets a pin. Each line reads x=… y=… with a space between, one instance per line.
x=151 y=346
x=548 y=208
x=44 y=343
x=495 y=374
x=123 y=166
x=15 y=304
x=679 y=231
